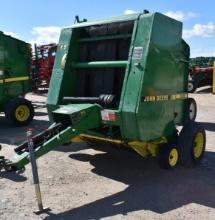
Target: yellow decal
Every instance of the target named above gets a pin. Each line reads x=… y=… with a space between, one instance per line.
x=165 y=97
x=214 y=79
x=14 y=79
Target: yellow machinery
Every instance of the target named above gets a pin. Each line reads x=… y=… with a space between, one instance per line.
x=214 y=79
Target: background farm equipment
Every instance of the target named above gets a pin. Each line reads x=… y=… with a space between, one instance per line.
x=202 y=61
x=122 y=81
x=42 y=64
x=200 y=77
x=14 y=80
x=201 y=72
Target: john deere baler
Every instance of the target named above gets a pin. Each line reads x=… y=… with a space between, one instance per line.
x=124 y=81
x=14 y=80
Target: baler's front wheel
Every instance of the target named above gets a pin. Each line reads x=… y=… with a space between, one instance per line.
x=19 y=111
x=191 y=142
x=168 y=156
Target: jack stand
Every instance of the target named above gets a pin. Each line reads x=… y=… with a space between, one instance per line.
x=32 y=158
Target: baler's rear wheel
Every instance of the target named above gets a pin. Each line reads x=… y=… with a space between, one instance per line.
x=192 y=108
x=19 y=111
x=168 y=156
x=191 y=142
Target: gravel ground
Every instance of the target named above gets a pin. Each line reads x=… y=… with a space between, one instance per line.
x=78 y=182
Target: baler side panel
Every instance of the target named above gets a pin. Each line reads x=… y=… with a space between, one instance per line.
x=164 y=76
x=62 y=80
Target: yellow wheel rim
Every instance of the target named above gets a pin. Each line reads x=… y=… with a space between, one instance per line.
x=198 y=145
x=173 y=157
x=22 y=113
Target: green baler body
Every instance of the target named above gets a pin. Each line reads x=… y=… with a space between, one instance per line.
x=14 y=69
x=140 y=58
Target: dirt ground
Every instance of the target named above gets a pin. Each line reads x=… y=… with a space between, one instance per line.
x=79 y=182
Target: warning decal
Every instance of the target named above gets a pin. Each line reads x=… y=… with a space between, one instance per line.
x=137 y=53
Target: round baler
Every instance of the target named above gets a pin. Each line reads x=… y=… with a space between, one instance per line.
x=123 y=81
x=14 y=80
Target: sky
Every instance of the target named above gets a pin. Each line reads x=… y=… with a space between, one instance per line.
x=40 y=21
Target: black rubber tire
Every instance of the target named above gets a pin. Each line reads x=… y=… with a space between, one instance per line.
x=186 y=143
x=191 y=87
x=164 y=155
x=192 y=109
x=10 y=110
